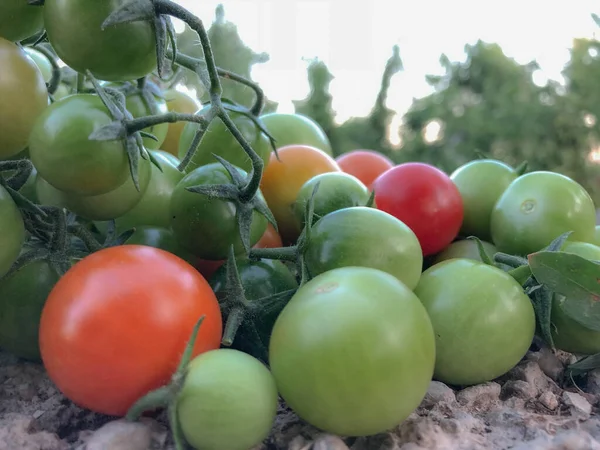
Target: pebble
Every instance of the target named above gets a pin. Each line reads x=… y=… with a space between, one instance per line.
x=519 y=388
x=437 y=392
x=549 y=400
x=593 y=382
x=530 y=372
x=550 y=364
x=482 y=393
x=577 y=404
x=329 y=442
x=120 y=435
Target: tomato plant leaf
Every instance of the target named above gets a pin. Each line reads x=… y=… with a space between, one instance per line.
x=557 y=243
x=134 y=11
x=261 y=206
x=245 y=215
x=482 y=253
x=371 y=200
x=160 y=28
x=596 y=18
x=111 y=132
x=148 y=135
x=522 y=274
x=574 y=277
x=234 y=173
x=521 y=169
x=584 y=365
x=542 y=305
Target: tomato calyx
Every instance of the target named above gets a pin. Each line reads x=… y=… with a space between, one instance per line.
x=166 y=396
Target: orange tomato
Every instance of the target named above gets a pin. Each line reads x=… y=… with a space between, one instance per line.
x=182 y=103
x=116 y=324
x=283 y=178
x=366 y=165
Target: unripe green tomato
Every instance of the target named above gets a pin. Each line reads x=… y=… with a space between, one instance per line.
x=467 y=249
x=228 y=401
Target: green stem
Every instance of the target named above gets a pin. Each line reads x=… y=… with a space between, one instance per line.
x=156 y=399
x=86 y=237
x=58 y=243
x=259 y=102
x=142 y=123
x=281 y=254
x=55 y=80
x=234 y=320
x=187 y=159
x=80 y=83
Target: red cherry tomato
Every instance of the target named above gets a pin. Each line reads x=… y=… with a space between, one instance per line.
x=425 y=199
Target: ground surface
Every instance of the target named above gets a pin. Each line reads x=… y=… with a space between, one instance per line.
x=525 y=410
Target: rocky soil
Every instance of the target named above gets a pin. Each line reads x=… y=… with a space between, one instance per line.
x=524 y=410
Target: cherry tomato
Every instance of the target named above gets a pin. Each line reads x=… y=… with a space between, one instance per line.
x=208 y=227
x=118 y=53
x=538 y=207
x=283 y=179
x=296 y=129
x=482 y=319
x=366 y=165
x=481 y=183
x=353 y=352
x=115 y=325
x=41 y=61
x=65 y=157
x=19 y=20
x=12 y=236
x=218 y=140
x=207 y=267
x=466 y=249
x=596 y=239
x=23 y=97
x=228 y=401
x=182 y=103
x=346 y=238
x=162 y=238
x=270 y=239
x=337 y=190
x=425 y=199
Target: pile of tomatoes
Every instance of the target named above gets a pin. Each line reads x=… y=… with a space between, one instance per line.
x=344 y=285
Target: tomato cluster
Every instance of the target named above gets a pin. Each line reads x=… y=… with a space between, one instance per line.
x=129 y=212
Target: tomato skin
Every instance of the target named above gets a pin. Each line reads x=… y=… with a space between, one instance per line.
x=568 y=334
x=283 y=179
x=260 y=279
x=107 y=206
x=346 y=238
x=120 y=53
x=270 y=239
x=481 y=183
x=153 y=207
x=353 y=352
x=182 y=103
x=366 y=165
x=19 y=20
x=23 y=97
x=64 y=155
x=337 y=190
x=23 y=295
x=12 y=236
x=208 y=227
x=538 y=207
x=218 y=140
x=144 y=302
x=425 y=199
x=228 y=401
x=480 y=333
x=466 y=249
x=41 y=62
x=162 y=238
x=296 y=129
x=596 y=239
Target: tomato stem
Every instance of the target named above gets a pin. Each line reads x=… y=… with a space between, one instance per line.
x=158 y=398
x=234 y=321
x=140 y=123
x=281 y=253
x=187 y=159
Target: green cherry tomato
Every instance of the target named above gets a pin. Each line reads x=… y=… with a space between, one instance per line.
x=208 y=227
x=538 y=207
x=568 y=334
x=228 y=401
x=596 y=239
x=12 y=235
x=118 y=53
x=20 y=20
x=260 y=280
x=337 y=190
x=480 y=184
x=218 y=140
x=367 y=237
x=41 y=62
x=288 y=129
x=22 y=297
x=482 y=319
x=64 y=155
x=466 y=249
x=107 y=206
x=157 y=237
x=353 y=351
x=23 y=98
x=153 y=207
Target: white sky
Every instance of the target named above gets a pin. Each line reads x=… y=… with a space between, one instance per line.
x=355 y=38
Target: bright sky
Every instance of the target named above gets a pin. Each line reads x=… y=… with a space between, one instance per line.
x=355 y=38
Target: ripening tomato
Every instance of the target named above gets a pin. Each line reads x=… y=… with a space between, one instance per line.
x=366 y=165
x=19 y=20
x=296 y=129
x=181 y=103
x=270 y=239
x=115 y=325
x=23 y=97
x=118 y=53
x=425 y=199
x=283 y=179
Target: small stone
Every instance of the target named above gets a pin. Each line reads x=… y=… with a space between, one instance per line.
x=549 y=400
x=550 y=364
x=518 y=388
x=480 y=394
x=577 y=404
x=120 y=435
x=530 y=372
x=37 y=414
x=450 y=426
x=329 y=442
x=593 y=382
x=437 y=392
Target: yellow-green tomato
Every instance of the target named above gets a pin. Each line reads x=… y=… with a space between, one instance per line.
x=353 y=351
x=228 y=401
x=482 y=319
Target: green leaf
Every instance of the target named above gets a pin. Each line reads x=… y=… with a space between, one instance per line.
x=223 y=191
x=596 y=18
x=482 y=253
x=542 y=305
x=521 y=168
x=557 y=243
x=112 y=132
x=135 y=11
x=584 y=365
x=574 y=277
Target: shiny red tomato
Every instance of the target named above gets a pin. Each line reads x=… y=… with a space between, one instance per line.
x=425 y=199
x=115 y=325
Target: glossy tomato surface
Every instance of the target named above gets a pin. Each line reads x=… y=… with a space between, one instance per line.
x=366 y=165
x=20 y=20
x=296 y=129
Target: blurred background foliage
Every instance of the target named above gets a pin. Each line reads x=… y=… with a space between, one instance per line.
x=486 y=105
